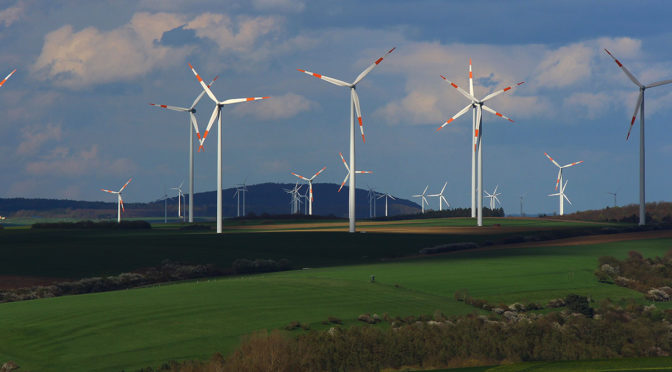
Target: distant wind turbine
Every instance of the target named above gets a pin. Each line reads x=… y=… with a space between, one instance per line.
x=441 y=197
x=562 y=196
x=423 y=200
x=310 y=188
x=493 y=198
x=386 y=196
x=120 y=202
x=180 y=195
x=559 y=180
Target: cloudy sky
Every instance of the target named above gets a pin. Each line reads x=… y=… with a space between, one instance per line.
x=75 y=116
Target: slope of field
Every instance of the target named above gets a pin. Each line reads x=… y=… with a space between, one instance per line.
x=136 y=328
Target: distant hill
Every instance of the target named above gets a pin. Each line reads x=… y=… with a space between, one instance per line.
x=655 y=212
x=269 y=198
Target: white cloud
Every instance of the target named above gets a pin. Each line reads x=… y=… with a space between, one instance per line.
x=416 y=107
x=276 y=107
x=77 y=59
x=11 y=14
x=62 y=162
x=34 y=137
x=588 y=105
x=239 y=35
x=565 y=66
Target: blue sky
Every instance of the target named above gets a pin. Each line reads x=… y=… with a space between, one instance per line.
x=76 y=116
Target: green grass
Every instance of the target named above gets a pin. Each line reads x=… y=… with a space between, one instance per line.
x=142 y=327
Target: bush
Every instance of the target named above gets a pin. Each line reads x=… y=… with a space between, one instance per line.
x=579 y=304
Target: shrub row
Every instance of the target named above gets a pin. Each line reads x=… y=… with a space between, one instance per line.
x=652 y=276
x=245 y=266
x=614 y=332
x=106 y=225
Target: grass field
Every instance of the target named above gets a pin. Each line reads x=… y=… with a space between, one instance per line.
x=142 y=327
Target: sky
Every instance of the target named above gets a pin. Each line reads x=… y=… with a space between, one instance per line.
x=76 y=116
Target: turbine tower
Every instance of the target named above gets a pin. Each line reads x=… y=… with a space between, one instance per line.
x=423 y=200
x=180 y=195
x=639 y=107
x=354 y=105
x=562 y=196
x=120 y=201
x=310 y=188
x=559 y=180
x=493 y=198
x=192 y=123
x=441 y=197
x=478 y=106
x=217 y=115
x=386 y=196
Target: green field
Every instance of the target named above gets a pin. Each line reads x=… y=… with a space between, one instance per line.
x=142 y=327
x=660 y=364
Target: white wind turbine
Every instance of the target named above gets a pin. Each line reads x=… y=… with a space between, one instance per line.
x=192 y=123
x=559 y=180
x=120 y=202
x=8 y=76
x=562 y=196
x=639 y=107
x=354 y=105
x=386 y=196
x=494 y=198
x=348 y=174
x=310 y=188
x=441 y=197
x=217 y=115
x=477 y=156
x=423 y=200
x=180 y=195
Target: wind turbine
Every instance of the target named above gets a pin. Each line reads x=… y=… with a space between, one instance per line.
x=348 y=175
x=192 y=123
x=120 y=202
x=562 y=195
x=165 y=206
x=8 y=76
x=441 y=197
x=423 y=200
x=354 y=105
x=180 y=195
x=493 y=198
x=639 y=106
x=614 y=195
x=241 y=189
x=310 y=188
x=217 y=115
x=386 y=196
x=559 y=180
x=478 y=106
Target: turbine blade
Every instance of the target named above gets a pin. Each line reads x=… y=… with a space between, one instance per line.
x=634 y=115
x=627 y=72
x=202 y=93
x=111 y=192
x=213 y=117
x=495 y=94
x=488 y=109
x=456 y=116
x=566 y=198
x=424 y=192
x=344 y=181
x=8 y=76
x=355 y=100
x=443 y=188
x=374 y=64
x=239 y=100
x=301 y=177
x=445 y=201
x=174 y=108
x=575 y=163
x=477 y=133
x=657 y=84
x=126 y=184
x=391 y=197
x=469 y=96
x=121 y=201
x=194 y=124
x=205 y=87
x=558 y=181
x=551 y=159
x=318 y=173
x=471 y=80
x=364 y=172
x=344 y=163
x=326 y=78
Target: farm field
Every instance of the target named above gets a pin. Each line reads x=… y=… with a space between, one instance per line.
x=143 y=327
x=84 y=253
